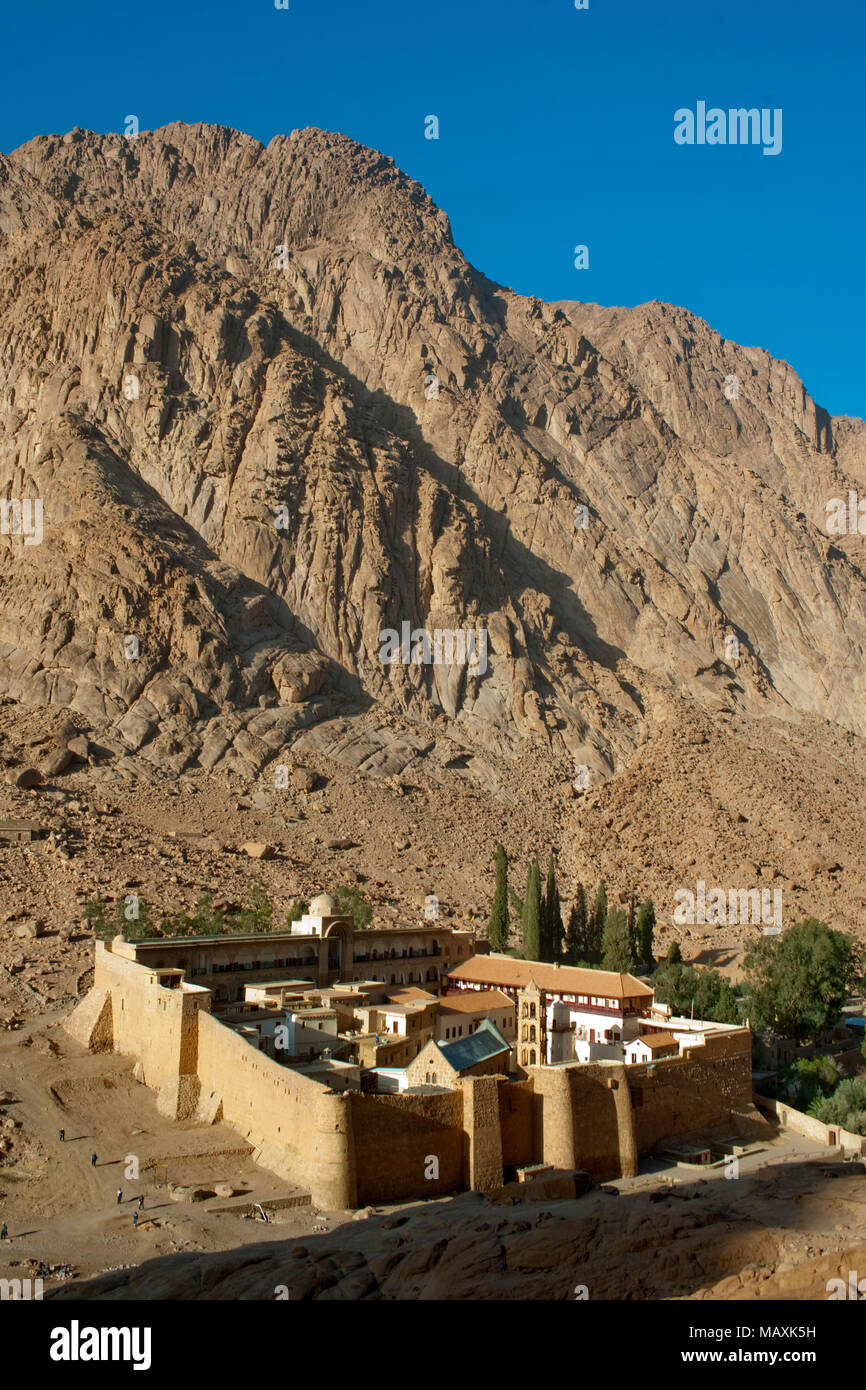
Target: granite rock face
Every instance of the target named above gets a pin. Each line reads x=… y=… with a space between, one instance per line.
x=273 y=414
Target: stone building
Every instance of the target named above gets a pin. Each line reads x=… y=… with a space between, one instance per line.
x=324 y=947
x=19 y=832
x=484 y=1053
x=316 y=1125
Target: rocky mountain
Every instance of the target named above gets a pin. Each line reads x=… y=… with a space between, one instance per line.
x=271 y=412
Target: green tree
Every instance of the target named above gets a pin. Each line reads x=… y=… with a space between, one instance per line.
x=257 y=918
x=575 y=937
x=531 y=922
x=715 y=998
x=646 y=925
x=96 y=912
x=846 y=1107
x=632 y=927
x=705 y=992
x=597 y=919
x=616 y=943
x=797 y=983
x=552 y=930
x=296 y=911
x=498 y=925
x=351 y=901
x=674 y=955
x=807 y=1080
x=131 y=919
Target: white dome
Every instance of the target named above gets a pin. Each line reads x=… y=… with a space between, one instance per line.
x=323 y=905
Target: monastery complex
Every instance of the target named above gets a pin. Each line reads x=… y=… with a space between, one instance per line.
x=349 y=1058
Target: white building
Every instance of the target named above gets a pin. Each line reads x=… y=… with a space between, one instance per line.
x=591 y=1006
x=652 y=1047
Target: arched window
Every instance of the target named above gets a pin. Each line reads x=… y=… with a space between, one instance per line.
x=532 y=1033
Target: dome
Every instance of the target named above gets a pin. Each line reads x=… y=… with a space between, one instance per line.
x=323 y=905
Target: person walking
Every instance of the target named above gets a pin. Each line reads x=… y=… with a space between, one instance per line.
x=119 y=1195
x=62 y=1135
x=134 y=1219
x=93 y=1160
x=4 y=1231
x=141 y=1203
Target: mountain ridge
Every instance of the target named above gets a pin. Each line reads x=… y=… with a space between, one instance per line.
x=201 y=332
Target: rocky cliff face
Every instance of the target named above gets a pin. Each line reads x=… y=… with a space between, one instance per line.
x=272 y=411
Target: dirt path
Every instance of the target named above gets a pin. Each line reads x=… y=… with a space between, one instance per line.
x=62 y=1210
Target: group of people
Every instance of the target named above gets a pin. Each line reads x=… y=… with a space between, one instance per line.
x=140 y=1206
x=4 y=1229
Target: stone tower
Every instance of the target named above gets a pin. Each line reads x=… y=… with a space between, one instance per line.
x=531 y=1026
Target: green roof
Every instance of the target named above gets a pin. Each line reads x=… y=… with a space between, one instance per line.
x=485 y=1042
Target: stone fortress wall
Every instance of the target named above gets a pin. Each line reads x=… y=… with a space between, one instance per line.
x=352 y=1148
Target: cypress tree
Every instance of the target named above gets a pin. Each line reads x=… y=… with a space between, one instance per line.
x=597 y=920
x=543 y=926
x=532 y=915
x=553 y=914
x=616 y=945
x=575 y=939
x=632 y=927
x=497 y=927
x=646 y=925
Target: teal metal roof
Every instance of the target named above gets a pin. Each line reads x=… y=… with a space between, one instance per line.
x=485 y=1042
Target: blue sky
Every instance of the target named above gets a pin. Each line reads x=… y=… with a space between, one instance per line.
x=556 y=129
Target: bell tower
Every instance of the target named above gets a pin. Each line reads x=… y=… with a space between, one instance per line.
x=531 y=1026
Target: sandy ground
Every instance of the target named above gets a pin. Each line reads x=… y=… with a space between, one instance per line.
x=61 y=1210
x=778 y=1228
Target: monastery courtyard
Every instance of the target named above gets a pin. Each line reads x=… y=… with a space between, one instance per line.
x=62 y=1211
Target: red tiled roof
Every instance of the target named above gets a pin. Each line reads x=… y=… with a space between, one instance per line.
x=657 y=1041
x=563 y=979
x=472 y=1001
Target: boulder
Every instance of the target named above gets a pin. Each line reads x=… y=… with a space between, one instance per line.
x=56 y=760
x=26 y=778
x=256 y=850
x=298 y=676
x=30 y=928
